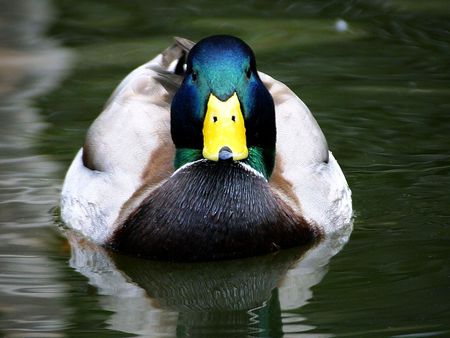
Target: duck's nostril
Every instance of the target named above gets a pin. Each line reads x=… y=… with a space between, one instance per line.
x=225 y=154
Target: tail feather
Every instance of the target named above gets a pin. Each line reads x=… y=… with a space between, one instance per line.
x=174 y=58
x=183 y=43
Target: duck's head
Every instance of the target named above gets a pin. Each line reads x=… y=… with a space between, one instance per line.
x=222 y=111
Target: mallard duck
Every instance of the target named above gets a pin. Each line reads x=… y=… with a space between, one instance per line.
x=198 y=156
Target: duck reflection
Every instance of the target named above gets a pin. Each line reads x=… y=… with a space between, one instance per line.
x=221 y=299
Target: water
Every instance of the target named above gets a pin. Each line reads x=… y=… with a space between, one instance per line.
x=375 y=74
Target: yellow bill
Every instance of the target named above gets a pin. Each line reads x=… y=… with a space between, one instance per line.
x=224 y=128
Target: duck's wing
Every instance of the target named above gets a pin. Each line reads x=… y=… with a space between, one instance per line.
x=136 y=118
x=132 y=131
x=306 y=173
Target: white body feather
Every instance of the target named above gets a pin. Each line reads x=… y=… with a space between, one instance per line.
x=306 y=163
x=122 y=140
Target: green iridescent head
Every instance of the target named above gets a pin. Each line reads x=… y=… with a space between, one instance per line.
x=222 y=110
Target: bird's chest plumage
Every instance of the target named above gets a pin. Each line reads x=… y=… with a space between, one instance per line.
x=211 y=210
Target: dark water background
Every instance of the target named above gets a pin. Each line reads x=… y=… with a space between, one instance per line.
x=376 y=76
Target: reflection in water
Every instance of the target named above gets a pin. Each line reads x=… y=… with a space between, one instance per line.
x=31 y=297
x=245 y=296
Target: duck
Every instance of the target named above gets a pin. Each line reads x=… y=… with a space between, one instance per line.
x=199 y=156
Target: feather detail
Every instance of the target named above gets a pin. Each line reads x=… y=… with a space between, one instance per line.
x=211 y=210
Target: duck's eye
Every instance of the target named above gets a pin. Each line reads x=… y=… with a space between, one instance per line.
x=214 y=119
x=248 y=73
x=194 y=76
x=233 y=118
